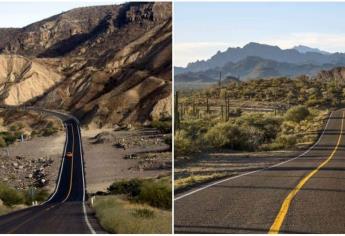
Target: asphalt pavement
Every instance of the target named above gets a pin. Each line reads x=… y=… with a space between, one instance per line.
x=65 y=211
x=305 y=194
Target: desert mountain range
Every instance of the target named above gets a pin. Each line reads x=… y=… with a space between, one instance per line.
x=105 y=64
x=255 y=61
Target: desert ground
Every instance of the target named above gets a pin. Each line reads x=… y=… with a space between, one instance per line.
x=109 y=155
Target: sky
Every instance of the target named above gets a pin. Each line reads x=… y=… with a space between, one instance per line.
x=20 y=14
x=201 y=29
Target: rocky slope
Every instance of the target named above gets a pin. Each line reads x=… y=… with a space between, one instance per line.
x=107 y=64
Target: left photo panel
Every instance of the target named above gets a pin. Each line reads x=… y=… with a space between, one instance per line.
x=85 y=117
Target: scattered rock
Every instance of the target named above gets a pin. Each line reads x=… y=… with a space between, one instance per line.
x=117 y=127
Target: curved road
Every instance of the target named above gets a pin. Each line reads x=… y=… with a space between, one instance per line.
x=65 y=210
x=305 y=194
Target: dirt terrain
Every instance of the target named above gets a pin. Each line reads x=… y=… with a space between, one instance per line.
x=113 y=155
x=109 y=155
x=32 y=162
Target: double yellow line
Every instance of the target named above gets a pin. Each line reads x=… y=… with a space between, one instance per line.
x=286 y=204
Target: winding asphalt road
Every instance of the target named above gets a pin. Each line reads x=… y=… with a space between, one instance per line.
x=65 y=210
x=305 y=194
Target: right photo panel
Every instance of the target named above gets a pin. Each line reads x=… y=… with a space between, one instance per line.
x=259 y=97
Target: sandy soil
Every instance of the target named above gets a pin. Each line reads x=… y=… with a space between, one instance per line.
x=105 y=162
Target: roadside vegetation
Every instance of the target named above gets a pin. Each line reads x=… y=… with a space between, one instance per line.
x=12 y=199
x=264 y=115
x=136 y=206
x=163 y=125
x=251 y=131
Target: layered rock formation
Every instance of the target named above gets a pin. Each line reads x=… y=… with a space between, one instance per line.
x=106 y=64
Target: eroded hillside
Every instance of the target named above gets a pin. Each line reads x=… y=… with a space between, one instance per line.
x=107 y=64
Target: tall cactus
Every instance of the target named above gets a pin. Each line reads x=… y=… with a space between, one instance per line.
x=177 y=115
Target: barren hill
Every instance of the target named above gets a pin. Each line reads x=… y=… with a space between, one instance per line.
x=105 y=64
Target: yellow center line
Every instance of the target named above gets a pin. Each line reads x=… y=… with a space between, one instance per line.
x=286 y=204
x=53 y=206
x=71 y=177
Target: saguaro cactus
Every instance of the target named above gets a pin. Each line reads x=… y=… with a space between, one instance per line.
x=177 y=115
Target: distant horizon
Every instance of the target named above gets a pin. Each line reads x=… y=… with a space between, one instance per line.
x=256 y=43
x=234 y=24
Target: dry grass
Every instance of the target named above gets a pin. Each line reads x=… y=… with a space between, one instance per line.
x=117 y=215
x=196 y=179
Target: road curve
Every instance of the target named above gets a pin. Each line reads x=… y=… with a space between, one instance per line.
x=302 y=195
x=65 y=210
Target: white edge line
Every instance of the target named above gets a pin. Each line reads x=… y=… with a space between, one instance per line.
x=61 y=166
x=259 y=170
x=82 y=170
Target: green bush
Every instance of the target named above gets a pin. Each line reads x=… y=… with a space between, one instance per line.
x=168 y=140
x=2 y=142
x=287 y=140
x=11 y=196
x=235 y=112
x=162 y=125
x=48 y=131
x=9 y=137
x=183 y=144
x=222 y=135
x=154 y=192
x=297 y=114
x=130 y=187
x=39 y=195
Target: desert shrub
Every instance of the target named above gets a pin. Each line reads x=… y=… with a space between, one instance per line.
x=271 y=146
x=183 y=143
x=130 y=187
x=9 y=137
x=39 y=195
x=235 y=112
x=11 y=196
x=162 y=125
x=49 y=131
x=222 y=135
x=156 y=193
x=287 y=140
x=297 y=114
x=168 y=140
x=2 y=142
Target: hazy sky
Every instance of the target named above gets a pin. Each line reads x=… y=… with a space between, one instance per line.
x=19 y=14
x=201 y=29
